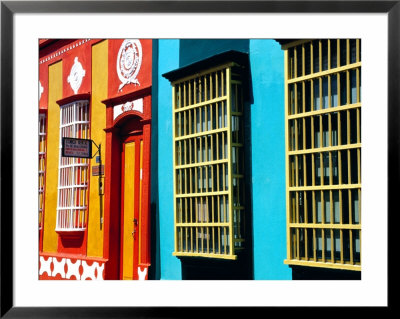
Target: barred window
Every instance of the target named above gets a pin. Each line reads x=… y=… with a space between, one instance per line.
x=42 y=167
x=323 y=120
x=209 y=164
x=73 y=172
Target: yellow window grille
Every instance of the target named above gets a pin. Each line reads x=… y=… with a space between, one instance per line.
x=323 y=153
x=209 y=163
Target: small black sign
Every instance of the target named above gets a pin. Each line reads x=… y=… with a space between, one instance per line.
x=76 y=147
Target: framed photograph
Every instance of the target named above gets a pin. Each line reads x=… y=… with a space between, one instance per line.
x=237 y=144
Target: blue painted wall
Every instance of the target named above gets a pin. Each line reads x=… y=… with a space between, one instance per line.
x=193 y=50
x=268 y=160
x=168 y=59
x=267 y=149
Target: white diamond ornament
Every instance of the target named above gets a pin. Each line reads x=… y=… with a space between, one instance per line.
x=76 y=76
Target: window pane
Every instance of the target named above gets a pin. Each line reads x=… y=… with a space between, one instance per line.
x=344 y=171
x=325 y=103
x=319 y=242
x=353 y=86
x=307 y=58
x=355 y=206
x=291 y=63
x=291 y=100
x=345 y=206
x=309 y=200
x=333 y=53
x=326 y=168
x=299 y=134
x=334 y=94
x=343 y=127
x=316 y=56
x=309 y=169
x=317 y=99
x=335 y=168
x=356 y=246
x=334 y=128
x=343 y=88
x=318 y=206
x=328 y=243
x=327 y=206
x=307 y=87
x=308 y=132
x=325 y=130
x=336 y=234
x=299 y=98
x=317 y=166
x=353 y=51
x=317 y=133
x=336 y=208
x=324 y=54
x=299 y=60
x=343 y=52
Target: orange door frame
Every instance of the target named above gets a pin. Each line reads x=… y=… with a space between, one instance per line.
x=130 y=122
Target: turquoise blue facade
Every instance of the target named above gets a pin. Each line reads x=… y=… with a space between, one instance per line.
x=265 y=165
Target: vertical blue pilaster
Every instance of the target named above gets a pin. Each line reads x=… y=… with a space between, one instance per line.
x=168 y=59
x=268 y=161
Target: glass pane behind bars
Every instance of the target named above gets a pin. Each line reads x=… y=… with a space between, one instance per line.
x=209 y=165
x=73 y=172
x=324 y=152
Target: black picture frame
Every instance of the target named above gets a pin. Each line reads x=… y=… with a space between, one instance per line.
x=9 y=8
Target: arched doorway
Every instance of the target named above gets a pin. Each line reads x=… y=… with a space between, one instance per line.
x=127 y=190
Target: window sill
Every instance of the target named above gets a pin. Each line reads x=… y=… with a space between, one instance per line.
x=71 y=233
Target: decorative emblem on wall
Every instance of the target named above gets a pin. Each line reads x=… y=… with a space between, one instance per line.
x=40 y=90
x=129 y=61
x=136 y=105
x=76 y=75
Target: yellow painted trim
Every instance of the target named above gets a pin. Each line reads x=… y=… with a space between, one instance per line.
x=201 y=164
x=97 y=124
x=288 y=251
x=202 y=194
x=205 y=133
x=294 y=43
x=129 y=207
x=324 y=187
x=196 y=254
x=325 y=226
x=322 y=264
x=321 y=74
x=50 y=237
x=174 y=162
x=326 y=149
x=229 y=156
x=140 y=202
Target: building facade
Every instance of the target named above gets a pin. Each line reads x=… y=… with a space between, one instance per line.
x=211 y=159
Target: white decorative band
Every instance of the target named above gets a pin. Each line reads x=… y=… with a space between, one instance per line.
x=63 y=50
x=66 y=268
x=136 y=105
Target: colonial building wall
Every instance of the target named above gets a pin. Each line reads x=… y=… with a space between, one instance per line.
x=98 y=123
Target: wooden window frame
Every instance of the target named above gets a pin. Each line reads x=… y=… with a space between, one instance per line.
x=333 y=158
x=207 y=115
x=73 y=173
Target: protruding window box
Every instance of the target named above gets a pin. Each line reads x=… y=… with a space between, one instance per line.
x=208 y=147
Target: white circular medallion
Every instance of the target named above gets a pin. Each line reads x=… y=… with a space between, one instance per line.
x=129 y=61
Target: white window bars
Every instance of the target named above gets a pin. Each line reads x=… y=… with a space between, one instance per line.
x=42 y=168
x=73 y=172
